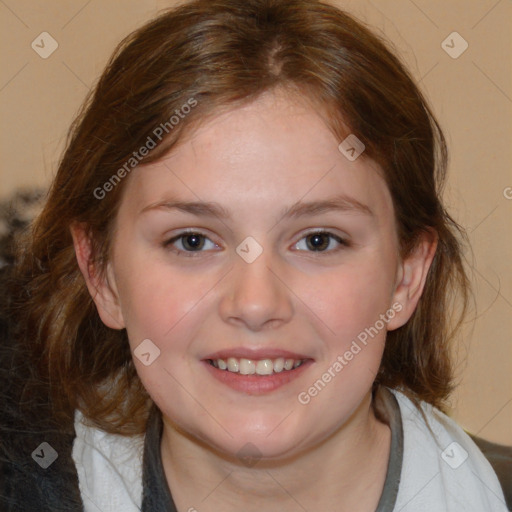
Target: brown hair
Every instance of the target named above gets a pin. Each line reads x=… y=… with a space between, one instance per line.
x=221 y=54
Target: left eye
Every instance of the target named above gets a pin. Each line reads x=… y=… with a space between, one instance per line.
x=321 y=241
x=190 y=242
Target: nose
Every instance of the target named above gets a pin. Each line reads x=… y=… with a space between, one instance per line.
x=255 y=295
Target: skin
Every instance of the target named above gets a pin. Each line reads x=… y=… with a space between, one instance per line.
x=256 y=161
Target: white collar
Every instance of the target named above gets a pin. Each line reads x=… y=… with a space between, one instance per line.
x=433 y=476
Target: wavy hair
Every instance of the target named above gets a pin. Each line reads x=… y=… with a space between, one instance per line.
x=225 y=53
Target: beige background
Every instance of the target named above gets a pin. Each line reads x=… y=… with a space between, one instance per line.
x=471 y=96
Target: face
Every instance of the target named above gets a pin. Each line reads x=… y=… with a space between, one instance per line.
x=257 y=245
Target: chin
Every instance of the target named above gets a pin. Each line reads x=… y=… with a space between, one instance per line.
x=251 y=450
x=253 y=441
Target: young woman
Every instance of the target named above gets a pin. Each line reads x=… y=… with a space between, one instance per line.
x=239 y=293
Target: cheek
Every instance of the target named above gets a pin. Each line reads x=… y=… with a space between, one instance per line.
x=351 y=298
x=162 y=305
x=155 y=300
x=350 y=303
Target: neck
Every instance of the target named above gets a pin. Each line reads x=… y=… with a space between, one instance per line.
x=351 y=463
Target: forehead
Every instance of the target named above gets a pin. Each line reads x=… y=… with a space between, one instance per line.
x=274 y=151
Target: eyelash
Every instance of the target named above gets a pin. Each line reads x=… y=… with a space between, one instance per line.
x=190 y=254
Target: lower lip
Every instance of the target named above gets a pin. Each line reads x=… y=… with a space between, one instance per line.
x=257 y=384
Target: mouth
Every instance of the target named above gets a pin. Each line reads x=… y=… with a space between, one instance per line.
x=256 y=373
x=260 y=367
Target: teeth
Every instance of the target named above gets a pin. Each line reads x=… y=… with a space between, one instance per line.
x=279 y=365
x=233 y=365
x=247 y=367
x=258 y=367
x=265 y=367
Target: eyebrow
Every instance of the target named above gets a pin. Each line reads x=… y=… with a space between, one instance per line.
x=339 y=203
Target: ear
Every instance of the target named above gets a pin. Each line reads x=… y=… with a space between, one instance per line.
x=411 y=278
x=101 y=285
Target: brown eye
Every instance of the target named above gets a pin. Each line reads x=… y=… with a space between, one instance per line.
x=322 y=241
x=190 y=242
x=318 y=241
x=193 y=242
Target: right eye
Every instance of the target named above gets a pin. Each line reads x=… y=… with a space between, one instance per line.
x=188 y=243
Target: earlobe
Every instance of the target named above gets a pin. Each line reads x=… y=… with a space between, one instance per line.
x=411 y=278
x=101 y=285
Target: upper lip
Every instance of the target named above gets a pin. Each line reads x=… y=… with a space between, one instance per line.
x=255 y=354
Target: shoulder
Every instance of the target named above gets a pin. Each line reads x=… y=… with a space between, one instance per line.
x=442 y=465
x=500 y=458
x=109 y=466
